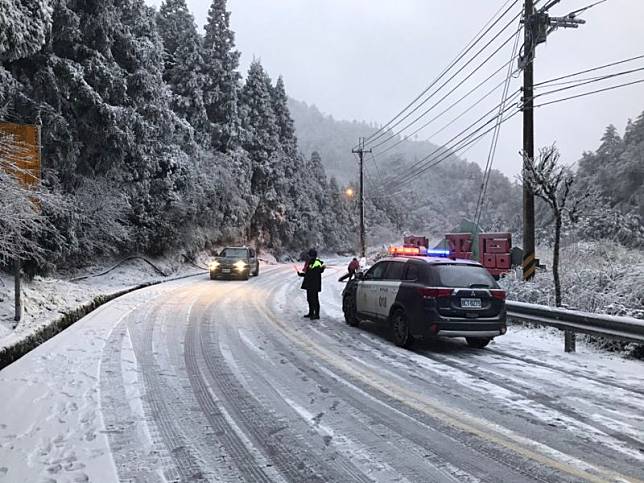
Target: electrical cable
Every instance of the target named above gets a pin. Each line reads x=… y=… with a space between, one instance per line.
x=586 y=71
x=393 y=123
x=463 y=132
x=477 y=38
x=433 y=159
x=592 y=81
x=480 y=66
x=427 y=111
x=428 y=123
x=495 y=140
x=467 y=143
x=640 y=81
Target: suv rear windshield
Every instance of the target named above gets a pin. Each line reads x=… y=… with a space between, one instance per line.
x=234 y=253
x=459 y=276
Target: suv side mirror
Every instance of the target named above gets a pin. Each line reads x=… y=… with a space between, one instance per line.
x=360 y=275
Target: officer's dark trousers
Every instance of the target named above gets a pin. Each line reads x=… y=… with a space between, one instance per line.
x=312 y=297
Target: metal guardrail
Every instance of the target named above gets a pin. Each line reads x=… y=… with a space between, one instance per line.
x=610 y=326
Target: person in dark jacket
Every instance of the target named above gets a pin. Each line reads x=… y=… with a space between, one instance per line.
x=312 y=283
x=354 y=265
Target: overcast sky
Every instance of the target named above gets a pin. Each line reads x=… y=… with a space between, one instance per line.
x=366 y=59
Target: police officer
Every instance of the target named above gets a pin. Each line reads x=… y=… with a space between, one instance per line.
x=312 y=283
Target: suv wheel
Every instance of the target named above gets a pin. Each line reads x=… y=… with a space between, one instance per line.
x=350 y=312
x=400 y=329
x=477 y=342
x=256 y=272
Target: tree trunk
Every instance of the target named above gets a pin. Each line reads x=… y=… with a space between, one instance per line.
x=569 y=335
x=555 y=259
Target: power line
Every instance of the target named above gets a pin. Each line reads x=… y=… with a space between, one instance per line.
x=477 y=38
x=495 y=140
x=469 y=140
x=463 y=132
x=591 y=81
x=593 y=69
x=454 y=104
x=427 y=111
x=382 y=132
x=465 y=145
x=428 y=161
x=640 y=81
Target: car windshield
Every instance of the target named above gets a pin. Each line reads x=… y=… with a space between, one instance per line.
x=468 y=276
x=234 y=253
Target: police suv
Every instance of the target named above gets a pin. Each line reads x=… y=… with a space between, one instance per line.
x=426 y=294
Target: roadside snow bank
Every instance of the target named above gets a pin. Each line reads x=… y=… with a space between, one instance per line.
x=50 y=305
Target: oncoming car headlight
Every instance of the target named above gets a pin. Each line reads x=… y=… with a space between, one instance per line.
x=213 y=265
x=240 y=265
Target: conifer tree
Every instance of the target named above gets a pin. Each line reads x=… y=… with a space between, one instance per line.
x=222 y=78
x=184 y=65
x=259 y=121
x=283 y=118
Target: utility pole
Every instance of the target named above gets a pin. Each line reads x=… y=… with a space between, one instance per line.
x=537 y=26
x=529 y=260
x=363 y=238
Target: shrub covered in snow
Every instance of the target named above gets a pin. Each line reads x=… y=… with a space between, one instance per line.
x=598 y=277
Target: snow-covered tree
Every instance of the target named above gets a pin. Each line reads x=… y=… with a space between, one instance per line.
x=222 y=78
x=24 y=26
x=184 y=65
x=552 y=182
x=283 y=118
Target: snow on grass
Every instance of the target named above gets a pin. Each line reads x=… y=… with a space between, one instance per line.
x=597 y=277
x=47 y=299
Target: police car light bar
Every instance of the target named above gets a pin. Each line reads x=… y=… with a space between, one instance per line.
x=417 y=252
x=438 y=253
x=409 y=251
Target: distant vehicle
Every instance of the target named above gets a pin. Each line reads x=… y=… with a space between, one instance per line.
x=423 y=293
x=235 y=262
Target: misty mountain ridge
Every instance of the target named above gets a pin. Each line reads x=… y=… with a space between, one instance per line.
x=434 y=201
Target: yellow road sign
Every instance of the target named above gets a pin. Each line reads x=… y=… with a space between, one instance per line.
x=24 y=152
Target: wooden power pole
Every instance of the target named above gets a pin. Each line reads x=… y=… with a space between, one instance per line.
x=360 y=151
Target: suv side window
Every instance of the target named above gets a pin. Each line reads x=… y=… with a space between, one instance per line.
x=412 y=274
x=395 y=270
x=251 y=253
x=377 y=272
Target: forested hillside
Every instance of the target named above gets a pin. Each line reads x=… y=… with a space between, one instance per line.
x=151 y=141
x=432 y=203
x=614 y=173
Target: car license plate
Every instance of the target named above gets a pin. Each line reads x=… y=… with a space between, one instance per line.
x=471 y=303
x=225 y=270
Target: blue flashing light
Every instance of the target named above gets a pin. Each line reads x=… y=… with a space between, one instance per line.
x=438 y=253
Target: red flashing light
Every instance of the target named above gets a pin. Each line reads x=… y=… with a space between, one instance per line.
x=435 y=293
x=409 y=251
x=498 y=294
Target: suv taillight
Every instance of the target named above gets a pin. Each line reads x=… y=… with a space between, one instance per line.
x=498 y=294
x=435 y=293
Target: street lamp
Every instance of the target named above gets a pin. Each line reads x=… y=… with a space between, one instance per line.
x=349 y=192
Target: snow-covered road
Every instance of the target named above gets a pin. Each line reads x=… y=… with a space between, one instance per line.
x=224 y=381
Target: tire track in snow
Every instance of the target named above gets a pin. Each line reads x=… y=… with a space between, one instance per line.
x=161 y=410
x=548 y=452
x=288 y=451
x=250 y=466
x=134 y=461
x=452 y=452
